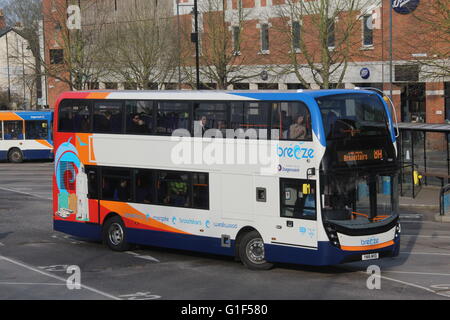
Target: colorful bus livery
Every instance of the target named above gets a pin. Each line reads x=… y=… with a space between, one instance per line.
x=26 y=135
x=328 y=195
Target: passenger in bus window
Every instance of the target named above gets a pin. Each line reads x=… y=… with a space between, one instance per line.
x=298 y=130
x=143 y=192
x=177 y=192
x=137 y=124
x=121 y=193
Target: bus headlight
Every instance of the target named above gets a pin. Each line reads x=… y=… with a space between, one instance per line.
x=398 y=230
x=332 y=235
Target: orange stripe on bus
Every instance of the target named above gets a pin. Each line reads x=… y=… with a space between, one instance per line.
x=9 y=116
x=45 y=143
x=98 y=95
x=364 y=248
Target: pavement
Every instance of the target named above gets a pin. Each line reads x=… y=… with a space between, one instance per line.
x=427 y=201
x=35 y=260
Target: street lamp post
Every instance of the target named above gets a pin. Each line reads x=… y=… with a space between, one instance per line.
x=194 y=38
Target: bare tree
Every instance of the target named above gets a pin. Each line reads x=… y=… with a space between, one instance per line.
x=26 y=16
x=144 y=46
x=223 y=59
x=78 y=57
x=434 y=37
x=321 y=38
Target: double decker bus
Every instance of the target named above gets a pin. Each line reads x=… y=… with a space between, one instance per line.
x=26 y=135
x=306 y=177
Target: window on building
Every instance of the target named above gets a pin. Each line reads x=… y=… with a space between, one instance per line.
x=173 y=188
x=267 y=86
x=331 y=34
x=241 y=86
x=210 y=115
x=264 y=37
x=108 y=117
x=36 y=129
x=130 y=86
x=116 y=184
x=236 y=39
x=74 y=116
x=139 y=117
x=291 y=121
x=172 y=116
x=56 y=56
x=295 y=86
x=111 y=85
x=367 y=30
x=296 y=35
x=298 y=199
x=13 y=130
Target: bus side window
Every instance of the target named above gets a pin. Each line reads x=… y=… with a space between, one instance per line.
x=298 y=199
x=291 y=121
x=210 y=116
x=172 y=116
x=116 y=185
x=200 y=190
x=13 y=130
x=144 y=186
x=173 y=188
x=74 y=116
x=92 y=176
x=108 y=117
x=139 y=117
x=36 y=129
x=249 y=120
x=1 y=130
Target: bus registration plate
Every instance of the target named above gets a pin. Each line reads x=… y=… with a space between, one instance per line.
x=370 y=256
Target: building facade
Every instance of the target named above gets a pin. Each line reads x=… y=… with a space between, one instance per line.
x=17 y=80
x=279 y=45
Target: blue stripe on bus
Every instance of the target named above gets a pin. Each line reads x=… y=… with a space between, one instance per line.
x=326 y=254
x=37 y=154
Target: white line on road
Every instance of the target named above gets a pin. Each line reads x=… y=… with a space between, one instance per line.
x=32 y=283
x=26 y=193
x=419 y=273
x=427 y=253
x=420 y=236
x=145 y=257
x=56 y=277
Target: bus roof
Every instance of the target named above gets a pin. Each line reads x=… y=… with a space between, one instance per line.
x=206 y=94
x=26 y=115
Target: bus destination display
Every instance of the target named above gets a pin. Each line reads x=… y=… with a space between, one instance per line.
x=362 y=155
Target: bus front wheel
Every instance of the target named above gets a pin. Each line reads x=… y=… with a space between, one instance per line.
x=251 y=252
x=15 y=156
x=114 y=234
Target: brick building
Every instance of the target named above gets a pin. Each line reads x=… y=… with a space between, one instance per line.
x=270 y=39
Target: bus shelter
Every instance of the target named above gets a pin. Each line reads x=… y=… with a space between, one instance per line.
x=424 y=154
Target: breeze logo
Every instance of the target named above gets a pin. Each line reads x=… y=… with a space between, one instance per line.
x=370 y=241
x=296 y=152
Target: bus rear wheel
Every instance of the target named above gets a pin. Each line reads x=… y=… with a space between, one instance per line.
x=15 y=155
x=251 y=252
x=114 y=234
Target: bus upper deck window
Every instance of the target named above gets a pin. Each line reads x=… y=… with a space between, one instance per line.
x=291 y=121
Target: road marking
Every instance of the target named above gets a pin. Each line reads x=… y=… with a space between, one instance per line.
x=408 y=284
x=411 y=216
x=427 y=253
x=420 y=236
x=420 y=273
x=140 y=296
x=56 y=277
x=27 y=193
x=145 y=257
x=32 y=283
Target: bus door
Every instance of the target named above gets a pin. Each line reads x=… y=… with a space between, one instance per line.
x=298 y=215
x=92 y=185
